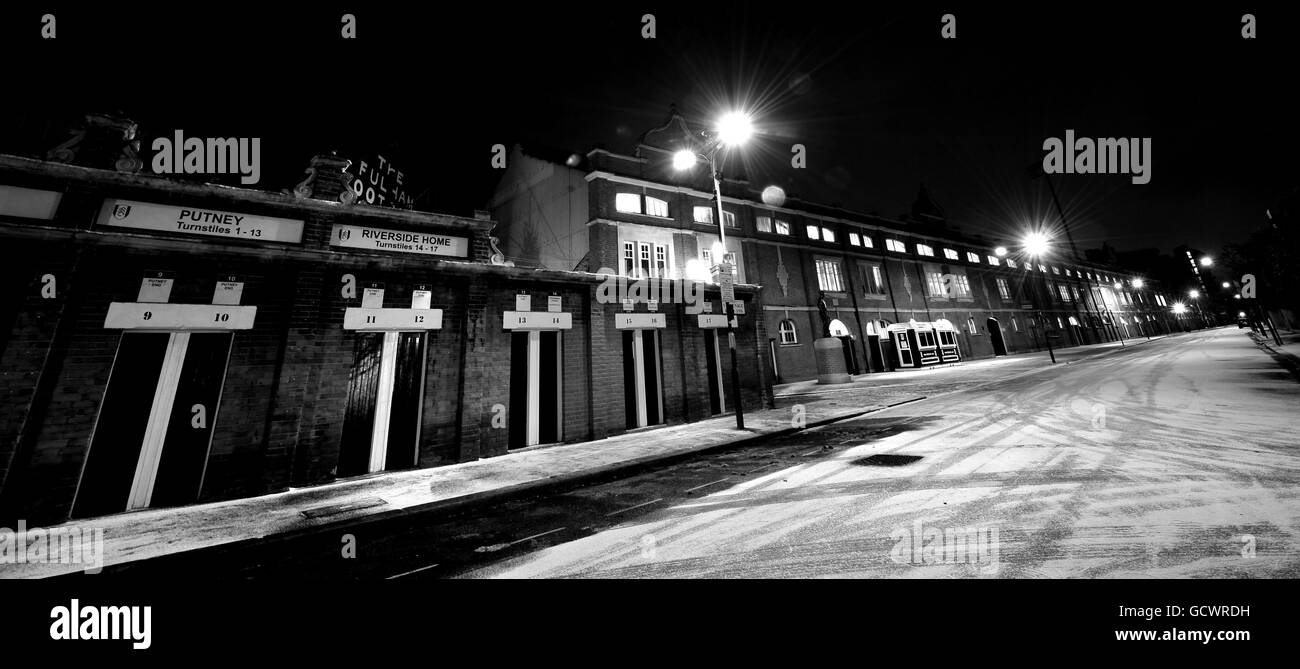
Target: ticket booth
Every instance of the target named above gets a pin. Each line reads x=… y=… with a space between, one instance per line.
x=381 y=422
x=947 y=335
x=878 y=346
x=915 y=344
x=536 y=376
x=150 y=444
x=642 y=368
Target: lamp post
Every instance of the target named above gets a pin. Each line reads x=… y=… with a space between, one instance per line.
x=733 y=129
x=1036 y=244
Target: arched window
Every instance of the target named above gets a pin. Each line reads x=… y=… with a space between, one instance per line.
x=970 y=326
x=787 y=332
x=838 y=329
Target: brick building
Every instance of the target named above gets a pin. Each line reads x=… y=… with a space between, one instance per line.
x=167 y=342
x=638 y=216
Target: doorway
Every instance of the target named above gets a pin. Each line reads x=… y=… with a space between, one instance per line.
x=995 y=336
x=150 y=444
x=381 y=422
x=642 y=378
x=535 y=388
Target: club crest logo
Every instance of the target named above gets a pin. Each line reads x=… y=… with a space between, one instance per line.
x=121 y=211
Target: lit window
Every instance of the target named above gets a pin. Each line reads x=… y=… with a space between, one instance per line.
x=1056 y=271
x=866 y=241
x=703 y=215
x=782 y=227
x=729 y=218
x=872 y=281
x=829 y=277
x=935 y=284
x=814 y=232
x=950 y=254
x=993 y=260
x=1011 y=263
x=764 y=223
x=661 y=261
x=787 y=332
x=629 y=258
x=656 y=207
x=963 y=286
x=1042 y=268
x=1003 y=289
x=1015 y=325
x=971 y=256
x=924 y=250
x=644 y=259
x=895 y=245
x=854 y=239
x=628 y=203
x=828 y=235
x=1064 y=291
x=970 y=326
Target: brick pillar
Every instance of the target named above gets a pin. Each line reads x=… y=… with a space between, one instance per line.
x=327 y=179
x=474 y=417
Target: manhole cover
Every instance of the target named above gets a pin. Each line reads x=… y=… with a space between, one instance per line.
x=886 y=460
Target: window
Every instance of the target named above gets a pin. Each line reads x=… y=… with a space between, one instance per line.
x=971 y=256
x=661 y=261
x=1042 y=268
x=854 y=239
x=895 y=245
x=764 y=223
x=703 y=215
x=629 y=203
x=962 y=288
x=629 y=258
x=924 y=250
x=866 y=241
x=1056 y=271
x=925 y=339
x=873 y=284
x=787 y=332
x=728 y=218
x=656 y=207
x=935 y=285
x=1004 y=291
x=782 y=227
x=1015 y=325
x=947 y=338
x=814 y=232
x=950 y=254
x=644 y=259
x=970 y=326
x=1064 y=291
x=993 y=260
x=1011 y=263
x=829 y=277
x=828 y=235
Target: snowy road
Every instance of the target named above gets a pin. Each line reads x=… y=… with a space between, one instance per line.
x=1176 y=458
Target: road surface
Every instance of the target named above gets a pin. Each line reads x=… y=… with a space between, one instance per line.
x=1175 y=458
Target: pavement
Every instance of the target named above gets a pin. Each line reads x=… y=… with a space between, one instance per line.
x=1170 y=459
x=153 y=533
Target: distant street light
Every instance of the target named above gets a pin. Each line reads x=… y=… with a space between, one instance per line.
x=1138 y=283
x=735 y=128
x=1206 y=261
x=1226 y=284
x=1000 y=251
x=684 y=159
x=1036 y=244
x=1193 y=294
x=1179 y=308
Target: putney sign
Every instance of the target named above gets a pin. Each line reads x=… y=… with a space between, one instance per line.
x=195 y=221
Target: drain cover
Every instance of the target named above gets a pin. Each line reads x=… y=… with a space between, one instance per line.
x=886 y=460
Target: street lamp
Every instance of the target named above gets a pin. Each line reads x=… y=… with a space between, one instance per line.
x=1206 y=261
x=732 y=130
x=1037 y=244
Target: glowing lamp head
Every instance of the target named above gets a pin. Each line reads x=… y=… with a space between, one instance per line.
x=1118 y=285
x=1000 y=251
x=1193 y=294
x=1206 y=261
x=1226 y=284
x=734 y=128
x=1138 y=283
x=1035 y=243
x=1179 y=308
x=684 y=160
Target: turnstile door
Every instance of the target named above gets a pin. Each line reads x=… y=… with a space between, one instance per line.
x=713 y=360
x=535 y=388
x=151 y=441
x=381 y=422
x=643 y=393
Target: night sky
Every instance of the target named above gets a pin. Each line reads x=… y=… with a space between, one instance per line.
x=881 y=102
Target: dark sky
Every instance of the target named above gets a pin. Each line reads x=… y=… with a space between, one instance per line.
x=881 y=102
